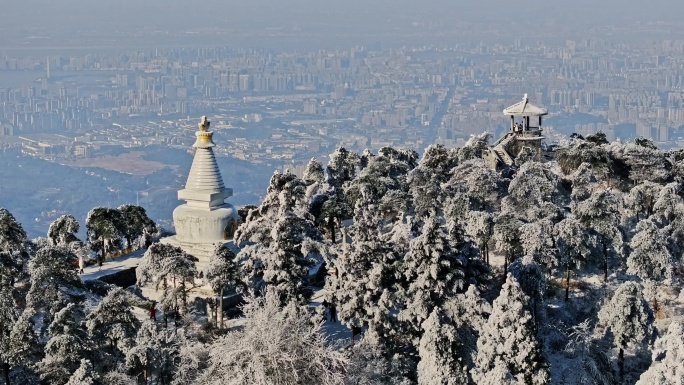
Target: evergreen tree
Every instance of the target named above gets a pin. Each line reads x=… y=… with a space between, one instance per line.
x=477 y=180
x=223 y=273
x=667 y=368
x=538 y=240
x=105 y=229
x=24 y=348
x=468 y=313
x=314 y=173
x=112 y=327
x=342 y=167
x=173 y=269
x=135 y=223
x=507 y=238
x=532 y=189
x=153 y=356
x=650 y=257
x=364 y=279
x=67 y=346
x=84 y=375
x=480 y=227
x=62 y=231
x=438 y=350
x=574 y=246
x=275 y=346
x=12 y=235
x=54 y=280
x=8 y=317
x=426 y=178
x=12 y=247
x=628 y=317
x=600 y=214
x=507 y=347
x=434 y=271
x=287 y=260
x=642 y=198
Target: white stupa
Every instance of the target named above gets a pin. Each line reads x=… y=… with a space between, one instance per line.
x=205 y=220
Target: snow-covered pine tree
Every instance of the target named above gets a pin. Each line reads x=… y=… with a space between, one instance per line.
x=296 y=351
x=384 y=180
x=507 y=238
x=477 y=180
x=532 y=280
x=600 y=214
x=277 y=239
x=67 y=346
x=105 y=229
x=645 y=161
x=580 y=151
x=12 y=235
x=223 y=273
x=538 y=240
x=507 y=347
x=583 y=182
x=154 y=354
x=53 y=279
x=434 y=271
x=135 y=223
x=628 y=317
x=314 y=177
x=425 y=180
x=62 y=231
x=342 y=167
x=480 y=227
x=363 y=274
x=651 y=257
x=8 y=317
x=12 y=246
x=468 y=313
x=669 y=206
x=84 y=375
x=533 y=186
x=642 y=198
x=24 y=348
x=440 y=363
x=314 y=172
x=668 y=355
x=112 y=327
x=592 y=364
x=574 y=246
x=173 y=269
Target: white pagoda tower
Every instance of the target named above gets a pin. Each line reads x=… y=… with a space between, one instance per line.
x=205 y=220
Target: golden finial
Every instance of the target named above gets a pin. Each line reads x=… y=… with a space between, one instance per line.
x=204 y=124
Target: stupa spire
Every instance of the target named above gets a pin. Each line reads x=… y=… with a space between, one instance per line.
x=204 y=187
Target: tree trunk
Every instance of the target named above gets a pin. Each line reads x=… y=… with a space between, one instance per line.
x=331 y=228
x=220 y=309
x=567 y=282
x=605 y=261
x=621 y=365
x=6 y=369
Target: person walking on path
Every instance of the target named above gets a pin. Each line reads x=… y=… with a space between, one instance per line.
x=81 y=264
x=333 y=313
x=153 y=313
x=326 y=311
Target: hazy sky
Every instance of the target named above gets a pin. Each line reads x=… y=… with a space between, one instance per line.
x=67 y=22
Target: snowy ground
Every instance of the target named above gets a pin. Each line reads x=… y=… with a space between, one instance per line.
x=336 y=332
x=113 y=265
